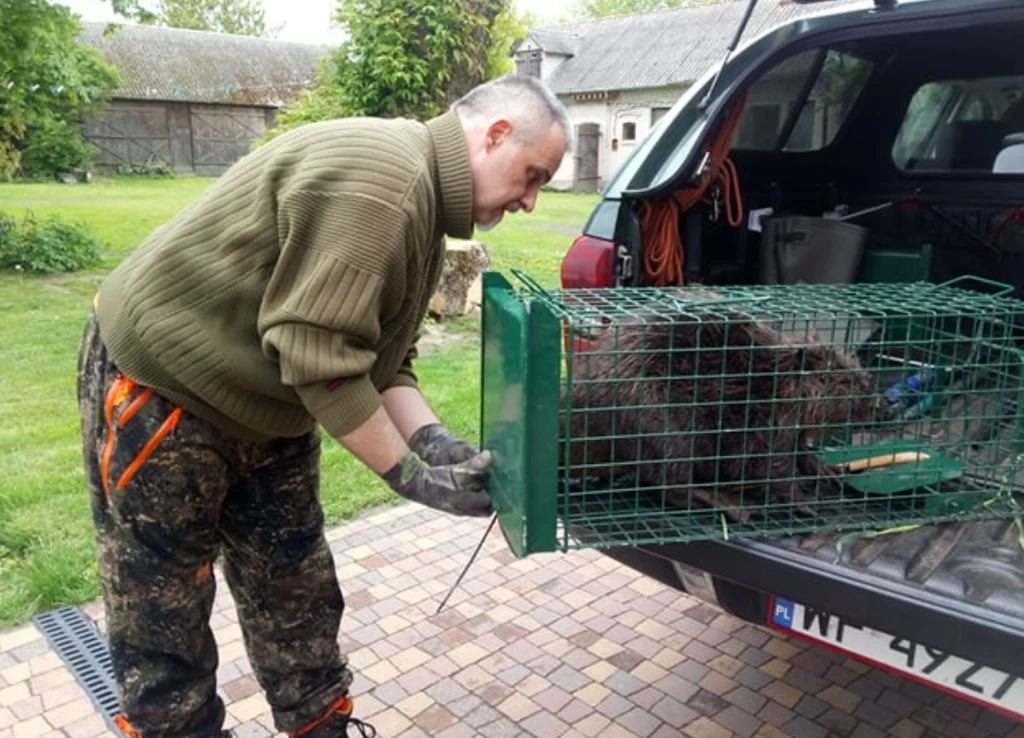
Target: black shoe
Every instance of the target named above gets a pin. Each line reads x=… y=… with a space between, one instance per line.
x=335 y=723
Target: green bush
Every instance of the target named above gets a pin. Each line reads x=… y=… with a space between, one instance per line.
x=48 y=246
x=53 y=147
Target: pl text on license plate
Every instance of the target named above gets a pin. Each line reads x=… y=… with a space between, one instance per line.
x=975 y=682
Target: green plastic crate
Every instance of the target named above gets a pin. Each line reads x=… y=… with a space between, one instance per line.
x=966 y=342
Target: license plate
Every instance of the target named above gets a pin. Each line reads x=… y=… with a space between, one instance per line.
x=974 y=682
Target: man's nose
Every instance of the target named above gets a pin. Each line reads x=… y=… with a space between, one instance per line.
x=529 y=201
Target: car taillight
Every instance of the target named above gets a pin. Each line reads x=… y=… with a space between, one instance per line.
x=590 y=262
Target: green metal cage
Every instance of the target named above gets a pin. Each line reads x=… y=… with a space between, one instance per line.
x=643 y=416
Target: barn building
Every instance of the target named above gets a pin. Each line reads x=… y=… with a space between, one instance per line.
x=194 y=100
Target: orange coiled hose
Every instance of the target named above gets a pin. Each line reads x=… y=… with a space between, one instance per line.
x=664 y=250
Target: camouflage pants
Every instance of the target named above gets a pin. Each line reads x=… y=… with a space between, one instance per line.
x=169 y=493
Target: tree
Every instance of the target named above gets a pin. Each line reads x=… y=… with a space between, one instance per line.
x=605 y=8
x=509 y=29
x=402 y=58
x=48 y=83
x=241 y=17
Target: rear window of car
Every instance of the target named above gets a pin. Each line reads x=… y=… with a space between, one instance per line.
x=963 y=125
x=802 y=102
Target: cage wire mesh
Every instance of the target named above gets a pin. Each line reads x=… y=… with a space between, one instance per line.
x=756 y=411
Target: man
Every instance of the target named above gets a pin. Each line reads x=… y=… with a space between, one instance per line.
x=286 y=298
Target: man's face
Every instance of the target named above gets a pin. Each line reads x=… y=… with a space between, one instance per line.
x=508 y=175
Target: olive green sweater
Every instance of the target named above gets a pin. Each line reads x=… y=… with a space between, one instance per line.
x=291 y=292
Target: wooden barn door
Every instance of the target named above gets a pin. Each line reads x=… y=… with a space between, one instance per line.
x=588 y=142
x=131 y=133
x=223 y=134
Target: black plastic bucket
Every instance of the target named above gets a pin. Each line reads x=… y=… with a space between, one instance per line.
x=799 y=248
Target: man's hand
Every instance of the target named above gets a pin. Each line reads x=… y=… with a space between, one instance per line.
x=457 y=489
x=439 y=447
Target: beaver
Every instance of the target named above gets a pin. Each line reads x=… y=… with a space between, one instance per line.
x=740 y=415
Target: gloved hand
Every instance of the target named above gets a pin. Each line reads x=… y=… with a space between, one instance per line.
x=457 y=489
x=438 y=446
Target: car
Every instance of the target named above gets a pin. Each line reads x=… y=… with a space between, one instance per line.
x=909 y=114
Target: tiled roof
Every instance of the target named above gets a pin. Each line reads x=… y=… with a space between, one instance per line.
x=665 y=47
x=159 y=63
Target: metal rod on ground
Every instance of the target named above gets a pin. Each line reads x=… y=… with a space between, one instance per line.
x=469 y=563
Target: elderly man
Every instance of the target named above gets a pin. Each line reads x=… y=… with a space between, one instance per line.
x=288 y=297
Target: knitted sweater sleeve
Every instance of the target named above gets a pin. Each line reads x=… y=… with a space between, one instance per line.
x=406 y=376
x=320 y=316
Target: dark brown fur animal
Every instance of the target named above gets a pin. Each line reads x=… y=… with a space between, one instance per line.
x=742 y=410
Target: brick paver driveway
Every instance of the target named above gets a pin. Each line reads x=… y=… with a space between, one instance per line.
x=556 y=645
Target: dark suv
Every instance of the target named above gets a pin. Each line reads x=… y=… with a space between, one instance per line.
x=910 y=114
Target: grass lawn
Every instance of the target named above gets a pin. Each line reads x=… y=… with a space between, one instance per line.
x=46 y=543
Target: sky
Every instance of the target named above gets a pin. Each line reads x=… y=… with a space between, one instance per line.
x=307 y=21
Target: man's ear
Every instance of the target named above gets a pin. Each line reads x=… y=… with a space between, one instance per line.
x=497 y=132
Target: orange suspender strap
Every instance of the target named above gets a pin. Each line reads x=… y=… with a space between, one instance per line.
x=118 y=394
x=343 y=705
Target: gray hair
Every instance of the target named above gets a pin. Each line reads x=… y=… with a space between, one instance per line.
x=534 y=102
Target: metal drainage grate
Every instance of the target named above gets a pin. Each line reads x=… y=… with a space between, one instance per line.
x=76 y=640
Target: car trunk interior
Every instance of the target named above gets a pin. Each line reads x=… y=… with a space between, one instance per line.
x=948 y=202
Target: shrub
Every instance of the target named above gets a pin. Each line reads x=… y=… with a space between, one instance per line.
x=48 y=246
x=154 y=167
x=53 y=147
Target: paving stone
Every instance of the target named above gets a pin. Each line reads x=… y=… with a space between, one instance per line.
x=481 y=716
x=957 y=728
x=544 y=725
x=690 y=670
x=674 y=712
x=784 y=694
x=810 y=707
x=746 y=699
x=931 y=718
x=501 y=728
x=754 y=656
x=639 y=722
x=804 y=680
x=704 y=728
x=739 y=721
x=801 y=727
x=753 y=679
x=614 y=705
x=775 y=714
x=838 y=674
x=812 y=662
x=752 y=635
x=866 y=687
x=627 y=660
x=575 y=710
x=923 y=694
x=446 y=691
x=866 y=731
x=909 y=729
x=624 y=684
x=514 y=675
x=839 y=724
x=900 y=703
x=958 y=708
x=568 y=678
x=553 y=699
x=707 y=703
x=876 y=715
x=995 y=724
x=495 y=693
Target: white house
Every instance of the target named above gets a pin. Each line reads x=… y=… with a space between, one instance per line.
x=618 y=76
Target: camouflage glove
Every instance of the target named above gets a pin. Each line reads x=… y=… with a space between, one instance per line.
x=456 y=489
x=436 y=445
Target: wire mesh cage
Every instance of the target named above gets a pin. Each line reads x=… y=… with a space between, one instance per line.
x=644 y=416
